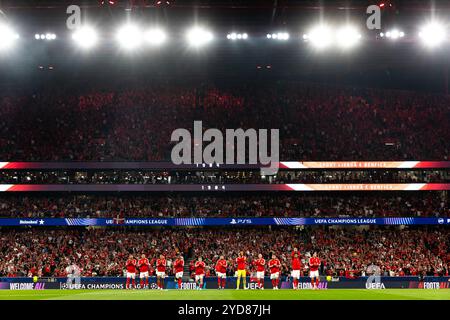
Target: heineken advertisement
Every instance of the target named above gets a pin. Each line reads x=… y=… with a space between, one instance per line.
x=220 y=221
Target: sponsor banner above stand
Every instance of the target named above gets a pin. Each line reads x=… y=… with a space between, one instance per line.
x=296 y=187
x=220 y=221
x=160 y=165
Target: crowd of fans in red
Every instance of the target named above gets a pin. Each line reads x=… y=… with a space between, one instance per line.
x=223 y=177
x=424 y=204
x=343 y=251
x=316 y=122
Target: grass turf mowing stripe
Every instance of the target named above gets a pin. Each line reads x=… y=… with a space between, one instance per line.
x=338 y=294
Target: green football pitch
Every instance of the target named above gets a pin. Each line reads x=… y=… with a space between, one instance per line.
x=336 y=294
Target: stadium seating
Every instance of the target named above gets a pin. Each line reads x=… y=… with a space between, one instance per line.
x=422 y=204
x=101 y=252
x=316 y=122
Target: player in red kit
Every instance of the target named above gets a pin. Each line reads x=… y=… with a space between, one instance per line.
x=274 y=266
x=131 y=272
x=160 y=271
x=260 y=265
x=143 y=265
x=241 y=262
x=178 y=267
x=199 y=272
x=296 y=266
x=314 y=264
x=221 y=272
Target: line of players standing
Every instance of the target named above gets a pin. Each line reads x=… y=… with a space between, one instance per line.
x=260 y=264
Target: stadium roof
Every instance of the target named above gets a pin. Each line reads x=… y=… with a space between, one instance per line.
x=375 y=59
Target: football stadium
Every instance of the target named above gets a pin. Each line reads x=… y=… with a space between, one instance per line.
x=224 y=150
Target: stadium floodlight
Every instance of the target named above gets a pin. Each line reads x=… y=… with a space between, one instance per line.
x=48 y=36
x=86 y=37
x=347 y=37
x=237 y=36
x=129 y=37
x=320 y=37
x=282 y=36
x=232 y=36
x=7 y=37
x=432 y=34
x=393 y=34
x=198 y=37
x=155 y=36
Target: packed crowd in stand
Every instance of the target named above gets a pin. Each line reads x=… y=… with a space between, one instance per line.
x=222 y=177
x=316 y=122
x=343 y=251
x=424 y=204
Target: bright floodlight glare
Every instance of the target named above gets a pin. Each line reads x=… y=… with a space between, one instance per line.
x=320 y=37
x=432 y=34
x=198 y=37
x=85 y=37
x=155 y=36
x=283 y=36
x=278 y=36
x=394 y=34
x=237 y=36
x=129 y=37
x=7 y=37
x=47 y=36
x=348 y=37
